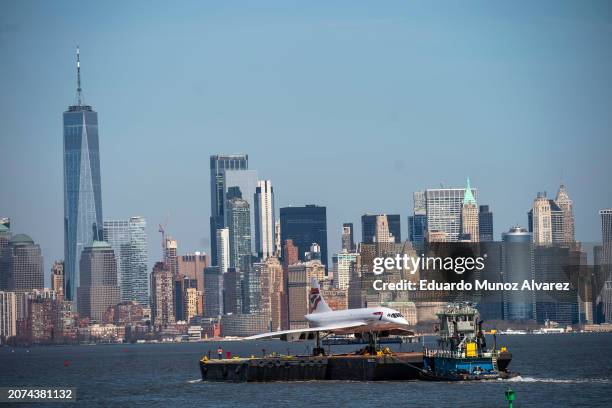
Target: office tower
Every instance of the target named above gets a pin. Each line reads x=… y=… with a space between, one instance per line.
x=42 y=311
x=372 y=224
x=557 y=264
x=264 y=219
x=344 y=264
x=82 y=186
x=57 y=279
x=299 y=276
x=469 y=216
x=5 y=237
x=518 y=266
x=223 y=249
x=485 y=223
x=443 y=207
x=314 y=253
x=546 y=221
x=8 y=316
x=305 y=225
x=181 y=286
x=277 y=239
x=232 y=291
x=213 y=292
x=417 y=222
x=567 y=207
x=128 y=238
x=290 y=253
x=171 y=255
x=268 y=296
x=246 y=182
x=192 y=266
x=25 y=264
x=348 y=240
x=218 y=165
x=191 y=304
x=162 y=295
x=98 y=281
x=237 y=219
x=605 y=264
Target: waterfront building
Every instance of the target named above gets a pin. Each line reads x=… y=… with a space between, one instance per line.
x=57 y=279
x=299 y=276
x=218 y=164
x=485 y=224
x=162 y=295
x=243 y=325
x=128 y=238
x=213 y=292
x=25 y=264
x=469 y=216
x=518 y=266
x=8 y=316
x=82 y=186
x=98 y=281
x=443 y=208
x=264 y=219
x=305 y=225
x=348 y=240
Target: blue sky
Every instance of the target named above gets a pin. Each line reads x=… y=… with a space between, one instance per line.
x=352 y=105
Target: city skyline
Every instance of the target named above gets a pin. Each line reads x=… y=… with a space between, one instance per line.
x=132 y=188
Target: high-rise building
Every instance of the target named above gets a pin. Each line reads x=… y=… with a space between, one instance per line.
x=171 y=255
x=299 y=276
x=605 y=264
x=344 y=264
x=232 y=291
x=128 y=238
x=237 y=214
x=162 y=295
x=417 y=222
x=305 y=225
x=268 y=296
x=5 y=237
x=567 y=207
x=82 y=186
x=371 y=225
x=218 y=165
x=246 y=182
x=264 y=219
x=25 y=264
x=469 y=216
x=443 y=207
x=98 y=281
x=8 y=316
x=518 y=266
x=192 y=266
x=485 y=224
x=546 y=221
x=223 y=249
x=277 y=239
x=348 y=240
x=57 y=279
x=213 y=292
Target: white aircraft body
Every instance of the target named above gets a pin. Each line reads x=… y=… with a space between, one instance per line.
x=378 y=321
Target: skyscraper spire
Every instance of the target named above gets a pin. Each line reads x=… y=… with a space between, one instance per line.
x=468 y=197
x=79 y=96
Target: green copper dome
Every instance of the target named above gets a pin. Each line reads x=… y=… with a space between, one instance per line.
x=468 y=197
x=21 y=239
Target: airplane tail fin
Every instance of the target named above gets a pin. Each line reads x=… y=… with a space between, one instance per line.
x=317 y=303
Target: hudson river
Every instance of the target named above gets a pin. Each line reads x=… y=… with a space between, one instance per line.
x=557 y=370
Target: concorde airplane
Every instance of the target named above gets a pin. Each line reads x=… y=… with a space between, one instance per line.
x=371 y=322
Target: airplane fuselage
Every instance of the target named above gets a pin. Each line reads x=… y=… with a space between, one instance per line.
x=375 y=318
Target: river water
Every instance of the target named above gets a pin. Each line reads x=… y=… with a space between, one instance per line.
x=555 y=371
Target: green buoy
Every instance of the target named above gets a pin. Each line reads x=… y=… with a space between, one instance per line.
x=510 y=397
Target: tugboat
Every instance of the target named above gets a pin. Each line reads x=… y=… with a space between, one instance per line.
x=462 y=352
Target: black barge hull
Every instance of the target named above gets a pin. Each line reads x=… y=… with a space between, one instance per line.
x=342 y=367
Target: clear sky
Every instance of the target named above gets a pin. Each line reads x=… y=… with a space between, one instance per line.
x=352 y=105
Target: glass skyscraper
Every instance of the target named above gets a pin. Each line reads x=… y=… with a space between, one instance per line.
x=129 y=241
x=82 y=187
x=305 y=226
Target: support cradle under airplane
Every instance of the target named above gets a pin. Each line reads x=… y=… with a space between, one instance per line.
x=372 y=322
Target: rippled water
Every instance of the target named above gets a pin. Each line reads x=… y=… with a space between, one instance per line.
x=556 y=370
